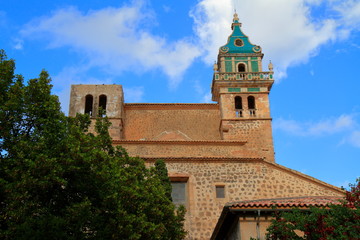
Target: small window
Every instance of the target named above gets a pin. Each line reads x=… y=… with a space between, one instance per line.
x=178 y=193
x=89 y=104
x=251 y=102
x=238 y=102
x=241 y=67
x=239 y=42
x=220 y=191
x=102 y=103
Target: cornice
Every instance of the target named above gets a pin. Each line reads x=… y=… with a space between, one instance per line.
x=181 y=142
x=171 y=106
x=204 y=159
x=246 y=119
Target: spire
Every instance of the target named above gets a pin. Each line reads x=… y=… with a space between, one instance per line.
x=238 y=42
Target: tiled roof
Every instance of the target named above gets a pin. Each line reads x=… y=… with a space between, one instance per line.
x=294 y=202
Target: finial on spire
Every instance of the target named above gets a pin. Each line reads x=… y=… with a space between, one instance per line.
x=271 y=67
x=236 y=18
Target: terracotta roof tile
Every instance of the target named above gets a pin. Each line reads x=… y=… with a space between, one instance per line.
x=294 y=202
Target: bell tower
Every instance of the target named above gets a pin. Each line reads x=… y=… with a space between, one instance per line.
x=242 y=88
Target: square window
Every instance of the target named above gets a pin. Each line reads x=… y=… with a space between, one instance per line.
x=220 y=191
x=178 y=193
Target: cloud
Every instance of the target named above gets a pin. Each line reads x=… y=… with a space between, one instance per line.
x=18 y=44
x=284 y=29
x=320 y=128
x=350 y=13
x=116 y=39
x=133 y=94
x=205 y=95
x=212 y=21
x=354 y=139
x=207 y=98
x=121 y=39
x=347 y=126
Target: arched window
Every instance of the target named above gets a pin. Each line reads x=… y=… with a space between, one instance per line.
x=89 y=104
x=238 y=106
x=102 y=102
x=238 y=102
x=241 y=67
x=251 y=102
x=251 y=106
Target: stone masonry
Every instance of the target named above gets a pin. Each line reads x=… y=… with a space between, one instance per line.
x=227 y=145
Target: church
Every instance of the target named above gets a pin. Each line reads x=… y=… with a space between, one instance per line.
x=216 y=153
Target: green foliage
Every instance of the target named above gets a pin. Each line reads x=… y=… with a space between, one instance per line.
x=341 y=221
x=161 y=171
x=58 y=180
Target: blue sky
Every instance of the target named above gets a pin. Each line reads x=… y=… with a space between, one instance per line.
x=163 y=51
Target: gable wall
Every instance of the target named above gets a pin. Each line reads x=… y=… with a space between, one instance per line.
x=243 y=180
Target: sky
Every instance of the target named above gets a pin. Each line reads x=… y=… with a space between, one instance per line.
x=164 y=50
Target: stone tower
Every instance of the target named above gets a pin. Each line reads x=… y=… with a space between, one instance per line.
x=242 y=90
x=215 y=152
x=88 y=99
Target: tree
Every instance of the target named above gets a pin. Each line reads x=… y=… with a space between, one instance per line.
x=337 y=221
x=58 y=180
x=175 y=223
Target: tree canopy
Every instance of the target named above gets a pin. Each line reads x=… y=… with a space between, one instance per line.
x=58 y=180
x=335 y=222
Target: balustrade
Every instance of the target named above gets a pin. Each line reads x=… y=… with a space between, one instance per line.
x=239 y=112
x=243 y=76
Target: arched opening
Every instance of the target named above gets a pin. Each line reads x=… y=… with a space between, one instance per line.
x=238 y=106
x=102 y=103
x=238 y=102
x=251 y=102
x=89 y=104
x=241 y=67
x=251 y=105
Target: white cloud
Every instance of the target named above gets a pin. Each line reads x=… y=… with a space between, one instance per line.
x=350 y=12
x=284 y=29
x=116 y=39
x=133 y=94
x=289 y=126
x=212 y=25
x=18 y=44
x=354 y=139
x=205 y=95
x=320 y=128
x=331 y=126
x=207 y=98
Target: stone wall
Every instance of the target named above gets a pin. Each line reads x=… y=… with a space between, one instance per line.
x=243 y=180
x=257 y=133
x=190 y=121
